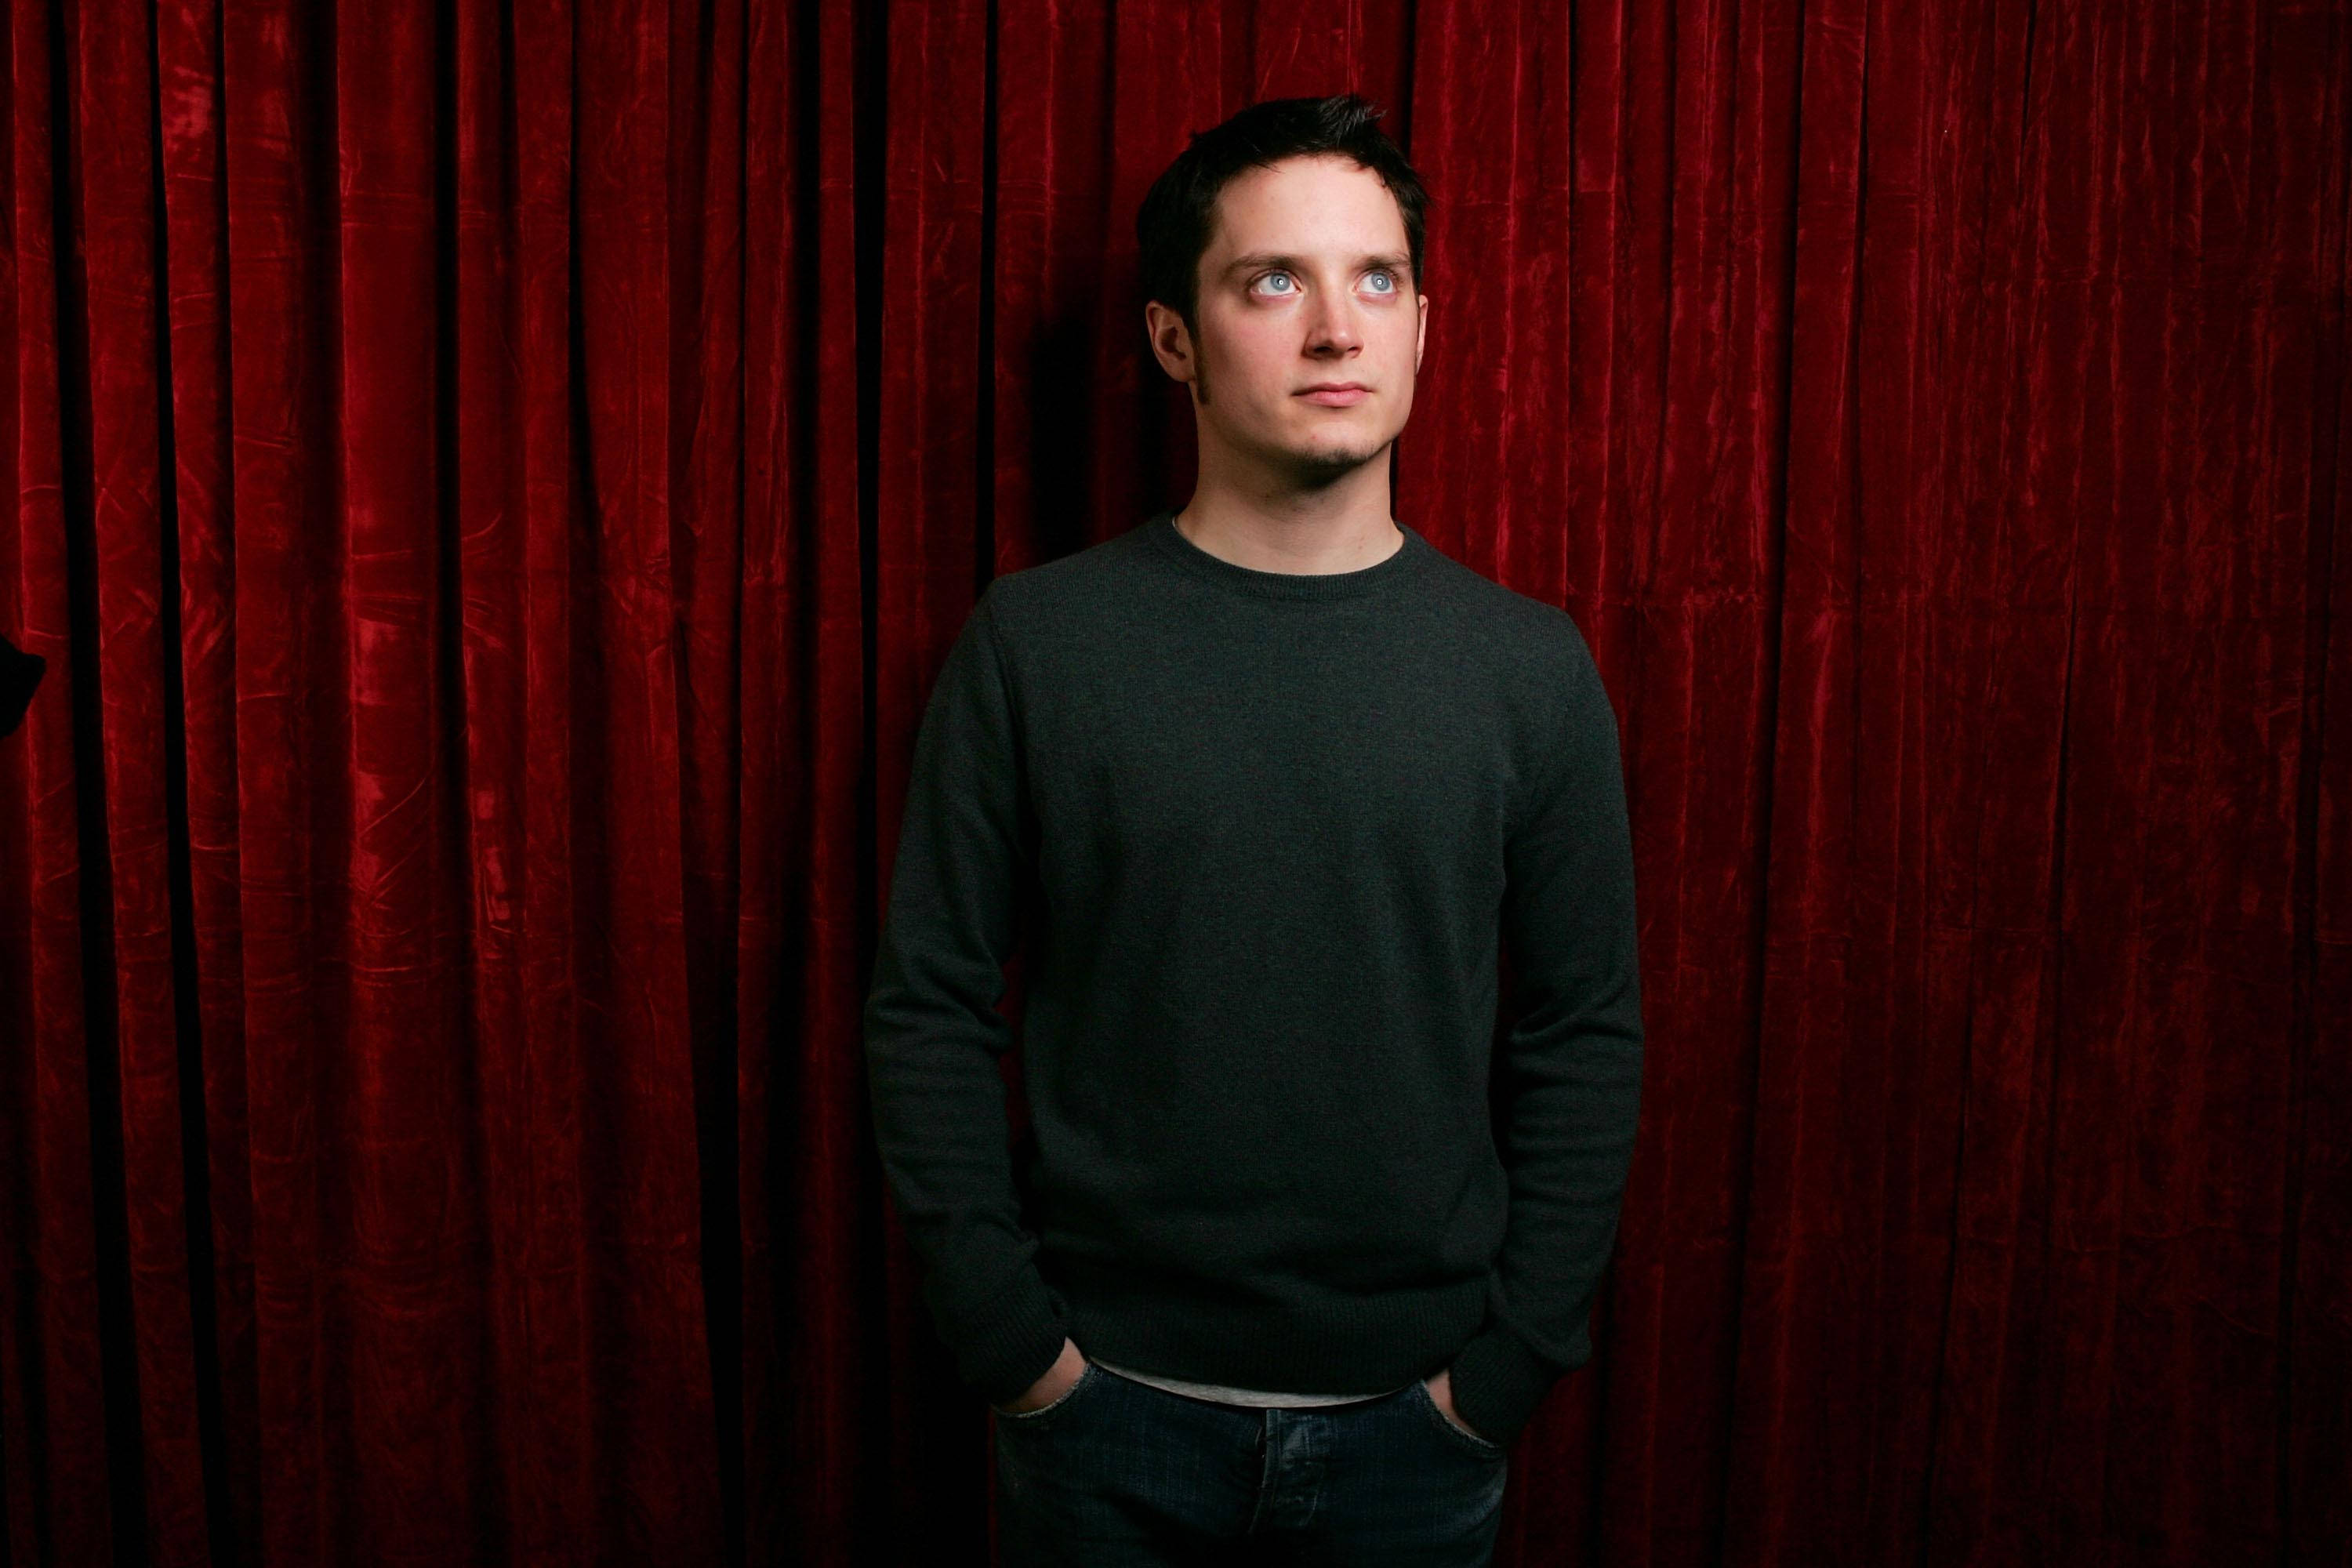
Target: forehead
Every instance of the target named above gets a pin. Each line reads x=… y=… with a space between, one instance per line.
x=1304 y=206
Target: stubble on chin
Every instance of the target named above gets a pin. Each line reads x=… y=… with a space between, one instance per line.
x=1332 y=463
x=1328 y=466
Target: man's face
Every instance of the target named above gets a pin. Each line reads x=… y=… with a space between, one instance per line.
x=1306 y=279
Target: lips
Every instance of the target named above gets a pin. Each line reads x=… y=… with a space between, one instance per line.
x=1335 y=397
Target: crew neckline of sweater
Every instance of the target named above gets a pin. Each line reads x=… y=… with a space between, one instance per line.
x=1399 y=563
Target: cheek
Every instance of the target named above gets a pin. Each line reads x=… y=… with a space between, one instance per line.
x=1262 y=353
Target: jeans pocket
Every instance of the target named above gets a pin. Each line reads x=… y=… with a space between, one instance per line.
x=1077 y=1385
x=1486 y=1448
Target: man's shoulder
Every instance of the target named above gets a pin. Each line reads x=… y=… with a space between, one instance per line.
x=1092 y=577
x=1532 y=634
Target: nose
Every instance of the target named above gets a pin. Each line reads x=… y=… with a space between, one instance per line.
x=1332 y=328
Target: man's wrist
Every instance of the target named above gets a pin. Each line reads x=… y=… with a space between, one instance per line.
x=1015 y=1342
x=1496 y=1383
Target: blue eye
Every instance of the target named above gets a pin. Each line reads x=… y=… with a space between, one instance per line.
x=1393 y=285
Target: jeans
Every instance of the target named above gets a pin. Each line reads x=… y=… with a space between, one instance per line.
x=1116 y=1472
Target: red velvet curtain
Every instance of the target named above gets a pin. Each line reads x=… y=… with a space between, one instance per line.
x=494 y=483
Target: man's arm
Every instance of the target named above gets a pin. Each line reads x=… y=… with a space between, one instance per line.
x=932 y=1033
x=1573 y=1072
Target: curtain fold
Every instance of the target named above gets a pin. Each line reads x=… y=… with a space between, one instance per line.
x=495 y=483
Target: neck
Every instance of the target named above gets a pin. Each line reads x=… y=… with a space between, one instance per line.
x=1271 y=528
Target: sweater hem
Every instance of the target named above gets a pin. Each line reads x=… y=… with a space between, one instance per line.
x=1356 y=1346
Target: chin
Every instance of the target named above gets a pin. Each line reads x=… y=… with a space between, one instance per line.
x=1330 y=464
x=1356 y=448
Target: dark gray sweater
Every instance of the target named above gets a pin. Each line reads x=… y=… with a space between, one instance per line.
x=1276 y=829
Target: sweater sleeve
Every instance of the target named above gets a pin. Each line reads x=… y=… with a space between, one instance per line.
x=932 y=1033
x=1573 y=1075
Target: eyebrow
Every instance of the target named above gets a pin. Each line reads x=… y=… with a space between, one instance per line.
x=1393 y=262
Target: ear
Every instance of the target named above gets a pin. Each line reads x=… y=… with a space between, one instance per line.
x=1421 y=333
x=1172 y=343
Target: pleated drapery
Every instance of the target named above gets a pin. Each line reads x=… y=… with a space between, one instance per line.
x=495 y=482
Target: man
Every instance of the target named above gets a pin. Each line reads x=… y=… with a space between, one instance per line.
x=1285 y=780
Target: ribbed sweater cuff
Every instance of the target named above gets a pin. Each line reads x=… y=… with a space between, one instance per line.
x=1011 y=1340
x=1497 y=1382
